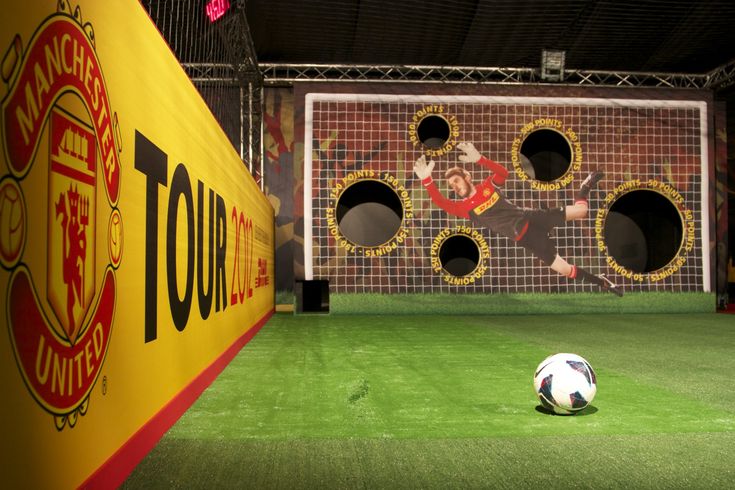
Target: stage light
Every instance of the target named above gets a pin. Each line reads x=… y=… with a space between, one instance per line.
x=552 y=65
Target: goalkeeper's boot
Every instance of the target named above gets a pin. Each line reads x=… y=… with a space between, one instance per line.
x=608 y=285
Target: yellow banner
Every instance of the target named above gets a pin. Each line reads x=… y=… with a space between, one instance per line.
x=135 y=247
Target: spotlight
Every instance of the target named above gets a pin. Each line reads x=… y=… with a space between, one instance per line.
x=552 y=65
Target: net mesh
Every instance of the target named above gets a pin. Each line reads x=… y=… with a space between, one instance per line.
x=637 y=145
x=199 y=46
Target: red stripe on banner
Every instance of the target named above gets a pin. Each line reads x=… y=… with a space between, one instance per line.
x=113 y=472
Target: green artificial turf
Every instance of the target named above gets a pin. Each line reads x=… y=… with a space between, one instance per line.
x=521 y=303
x=447 y=402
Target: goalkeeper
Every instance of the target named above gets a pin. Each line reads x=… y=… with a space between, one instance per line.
x=486 y=207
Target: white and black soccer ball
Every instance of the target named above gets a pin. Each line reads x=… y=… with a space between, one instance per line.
x=565 y=383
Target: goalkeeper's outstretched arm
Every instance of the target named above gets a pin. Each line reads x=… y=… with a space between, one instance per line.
x=471 y=155
x=423 y=171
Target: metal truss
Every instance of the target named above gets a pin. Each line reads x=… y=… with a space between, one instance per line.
x=276 y=74
x=634 y=79
x=286 y=74
x=202 y=73
x=722 y=77
x=242 y=69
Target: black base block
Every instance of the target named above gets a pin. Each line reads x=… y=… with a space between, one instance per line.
x=312 y=296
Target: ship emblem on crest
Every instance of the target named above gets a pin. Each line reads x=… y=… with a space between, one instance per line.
x=63 y=246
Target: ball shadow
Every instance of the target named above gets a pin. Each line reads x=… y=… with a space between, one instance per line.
x=589 y=410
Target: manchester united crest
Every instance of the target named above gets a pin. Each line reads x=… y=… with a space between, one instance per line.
x=60 y=226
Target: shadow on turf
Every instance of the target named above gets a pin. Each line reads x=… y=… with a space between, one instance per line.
x=591 y=409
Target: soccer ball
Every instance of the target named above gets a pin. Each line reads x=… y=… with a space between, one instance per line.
x=565 y=383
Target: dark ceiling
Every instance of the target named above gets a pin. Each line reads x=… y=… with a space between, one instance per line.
x=654 y=36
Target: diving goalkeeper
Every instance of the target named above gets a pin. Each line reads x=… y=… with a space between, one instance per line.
x=486 y=207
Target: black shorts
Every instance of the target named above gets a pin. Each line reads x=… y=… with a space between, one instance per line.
x=536 y=238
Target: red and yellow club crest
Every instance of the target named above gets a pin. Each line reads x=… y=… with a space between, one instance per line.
x=60 y=228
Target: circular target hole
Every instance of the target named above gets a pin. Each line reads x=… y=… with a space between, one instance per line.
x=369 y=213
x=459 y=255
x=643 y=231
x=433 y=131
x=546 y=155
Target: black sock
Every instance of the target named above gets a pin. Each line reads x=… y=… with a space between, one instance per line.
x=584 y=190
x=583 y=193
x=579 y=274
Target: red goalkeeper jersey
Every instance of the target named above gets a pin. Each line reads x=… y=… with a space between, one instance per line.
x=486 y=207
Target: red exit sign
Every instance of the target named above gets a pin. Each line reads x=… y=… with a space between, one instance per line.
x=217 y=8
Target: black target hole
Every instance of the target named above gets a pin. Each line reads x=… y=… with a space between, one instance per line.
x=546 y=155
x=459 y=255
x=369 y=213
x=433 y=131
x=643 y=231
